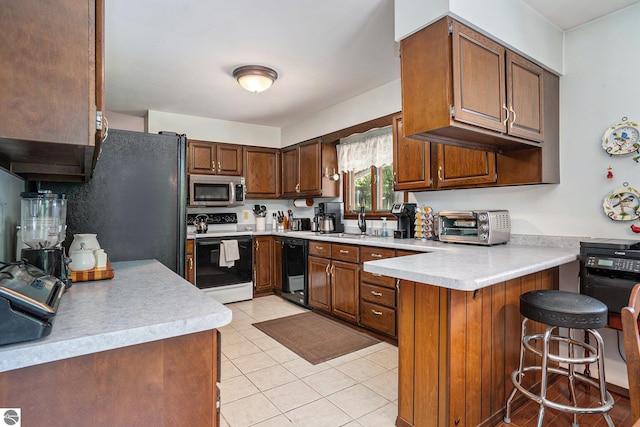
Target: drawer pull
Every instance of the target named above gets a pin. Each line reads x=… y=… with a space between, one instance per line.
x=376 y=274
x=376 y=255
x=376 y=294
x=319 y=248
x=377 y=313
x=342 y=251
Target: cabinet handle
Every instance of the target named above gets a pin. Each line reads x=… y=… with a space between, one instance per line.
x=374 y=255
x=190 y=264
x=514 y=117
x=326 y=270
x=439 y=173
x=257 y=245
x=398 y=285
x=342 y=251
x=213 y=166
x=506 y=119
x=319 y=248
x=332 y=267
x=376 y=294
x=376 y=312
x=298 y=188
x=219 y=167
x=376 y=274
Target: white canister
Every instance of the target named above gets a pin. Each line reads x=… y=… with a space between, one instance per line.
x=260 y=223
x=84 y=241
x=82 y=260
x=101 y=258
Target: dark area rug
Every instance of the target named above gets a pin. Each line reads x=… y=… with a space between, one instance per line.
x=315 y=338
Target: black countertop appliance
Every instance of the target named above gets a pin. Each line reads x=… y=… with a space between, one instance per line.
x=332 y=212
x=406 y=214
x=609 y=268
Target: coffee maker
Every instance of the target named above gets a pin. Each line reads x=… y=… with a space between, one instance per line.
x=330 y=217
x=43 y=223
x=406 y=214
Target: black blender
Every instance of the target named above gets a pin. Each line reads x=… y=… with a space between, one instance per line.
x=43 y=225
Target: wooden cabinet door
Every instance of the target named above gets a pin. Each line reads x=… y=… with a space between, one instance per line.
x=411 y=160
x=201 y=157
x=262 y=263
x=229 y=159
x=345 y=293
x=309 y=169
x=320 y=283
x=276 y=265
x=525 y=98
x=189 y=270
x=262 y=172
x=290 y=171
x=463 y=167
x=479 y=88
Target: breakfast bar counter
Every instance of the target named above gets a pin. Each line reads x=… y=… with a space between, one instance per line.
x=139 y=349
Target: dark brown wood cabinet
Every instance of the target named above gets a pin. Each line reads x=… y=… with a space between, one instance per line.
x=214 y=158
x=411 y=160
x=189 y=268
x=420 y=165
x=262 y=264
x=302 y=170
x=262 y=172
x=457 y=349
x=276 y=266
x=319 y=283
x=462 y=88
x=377 y=294
x=52 y=81
x=464 y=167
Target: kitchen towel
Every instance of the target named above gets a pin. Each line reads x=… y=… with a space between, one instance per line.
x=228 y=253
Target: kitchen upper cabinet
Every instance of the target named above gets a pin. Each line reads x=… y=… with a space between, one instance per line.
x=52 y=87
x=415 y=162
x=214 y=158
x=302 y=170
x=262 y=263
x=460 y=87
x=411 y=160
x=262 y=172
x=464 y=167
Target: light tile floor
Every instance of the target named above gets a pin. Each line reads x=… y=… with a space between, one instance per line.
x=265 y=384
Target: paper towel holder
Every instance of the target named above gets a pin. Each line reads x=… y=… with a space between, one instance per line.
x=303 y=203
x=333 y=177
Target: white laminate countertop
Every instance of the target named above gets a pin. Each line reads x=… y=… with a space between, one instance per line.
x=470 y=268
x=145 y=301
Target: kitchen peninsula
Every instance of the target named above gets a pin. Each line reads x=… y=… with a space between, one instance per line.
x=140 y=349
x=459 y=328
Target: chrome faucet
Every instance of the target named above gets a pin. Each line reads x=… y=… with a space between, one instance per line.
x=362 y=221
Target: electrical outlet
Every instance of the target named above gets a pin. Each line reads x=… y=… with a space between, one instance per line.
x=245 y=215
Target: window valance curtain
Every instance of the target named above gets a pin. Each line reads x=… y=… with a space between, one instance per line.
x=363 y=150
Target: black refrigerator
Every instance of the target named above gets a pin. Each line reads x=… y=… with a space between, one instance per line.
x=135 y=200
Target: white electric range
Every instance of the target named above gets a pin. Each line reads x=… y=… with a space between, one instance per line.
x=223 y=257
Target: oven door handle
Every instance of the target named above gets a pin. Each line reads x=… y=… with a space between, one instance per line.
x=232 y=193
x=208 y=242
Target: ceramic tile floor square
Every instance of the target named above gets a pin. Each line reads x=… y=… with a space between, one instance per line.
x=265 y=384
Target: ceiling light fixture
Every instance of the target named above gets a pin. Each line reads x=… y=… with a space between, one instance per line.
x=255 y=78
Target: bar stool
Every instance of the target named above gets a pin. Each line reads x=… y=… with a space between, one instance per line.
x=559 y=309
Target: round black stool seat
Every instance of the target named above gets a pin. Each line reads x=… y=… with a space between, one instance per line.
x=564 y=309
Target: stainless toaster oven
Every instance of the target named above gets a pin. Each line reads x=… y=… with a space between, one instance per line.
x=489 y=227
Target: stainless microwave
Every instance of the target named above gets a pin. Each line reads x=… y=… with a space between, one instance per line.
x=216 y=190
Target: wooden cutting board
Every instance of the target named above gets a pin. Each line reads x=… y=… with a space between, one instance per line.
x=101 y=273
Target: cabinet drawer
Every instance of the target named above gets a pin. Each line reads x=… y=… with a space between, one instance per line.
x=377 y=317
x=370 y=254
x=345 y=253
x=378 y=279
x=321 y=249
x=378 y=295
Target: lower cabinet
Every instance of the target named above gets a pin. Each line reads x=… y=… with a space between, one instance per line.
x=377 y=294
x=262 y=263
x=276 y=265
x=189 y=268
x=334 y=275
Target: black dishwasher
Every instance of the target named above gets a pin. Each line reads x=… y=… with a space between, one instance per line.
x=294 y=270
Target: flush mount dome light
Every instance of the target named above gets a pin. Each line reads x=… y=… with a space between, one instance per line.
x=255 y=78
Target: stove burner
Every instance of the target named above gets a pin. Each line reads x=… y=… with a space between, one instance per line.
x=214 y=218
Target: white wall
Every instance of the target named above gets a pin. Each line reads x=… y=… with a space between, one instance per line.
x=10 y=188
x=125 y=121
x=512 y=22
x=213 y=129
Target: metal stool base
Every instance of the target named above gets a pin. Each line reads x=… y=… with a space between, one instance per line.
x=606 y=400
